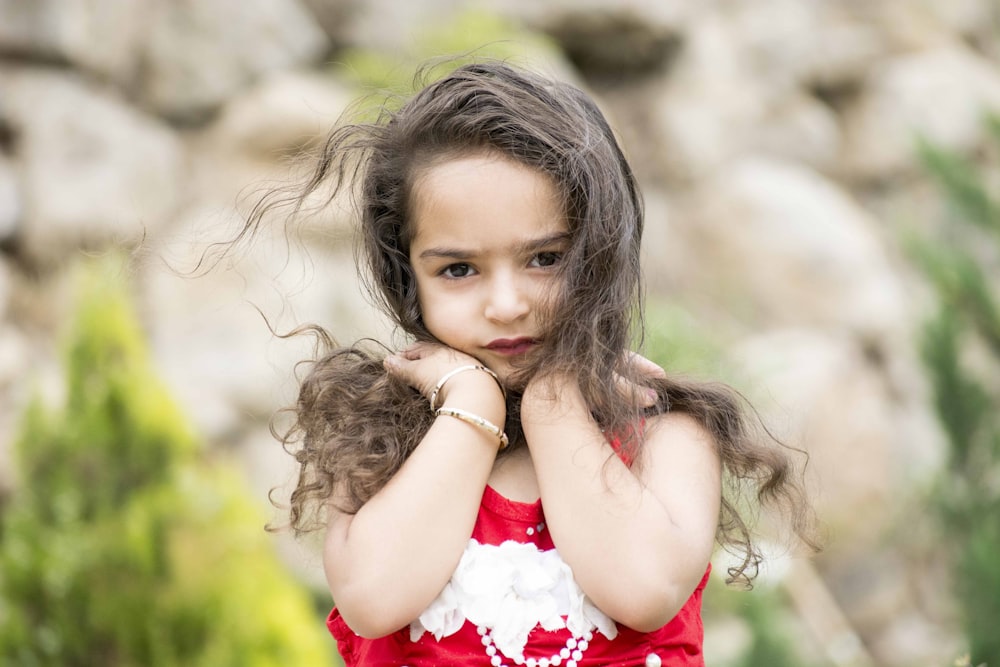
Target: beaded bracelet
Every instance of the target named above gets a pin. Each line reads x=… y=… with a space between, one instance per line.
x=475 y=420
x=455 y=371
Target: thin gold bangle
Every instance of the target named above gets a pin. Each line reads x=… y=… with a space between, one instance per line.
x=455 y=371
x=475 y=420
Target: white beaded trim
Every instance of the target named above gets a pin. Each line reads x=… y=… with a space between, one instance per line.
x=509 y=590
x=572 y=652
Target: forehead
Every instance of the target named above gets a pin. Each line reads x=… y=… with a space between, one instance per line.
x=477 y=198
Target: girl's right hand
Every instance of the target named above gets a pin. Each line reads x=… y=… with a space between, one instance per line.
x=422 y=365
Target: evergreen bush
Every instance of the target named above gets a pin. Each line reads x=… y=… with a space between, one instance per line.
x=961 y=350
x=122 y=544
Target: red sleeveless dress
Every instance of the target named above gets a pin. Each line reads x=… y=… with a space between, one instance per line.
x=510 y=539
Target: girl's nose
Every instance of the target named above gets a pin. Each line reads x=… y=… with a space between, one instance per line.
x=507 y=301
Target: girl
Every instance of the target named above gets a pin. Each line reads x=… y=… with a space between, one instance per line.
x=513 y=488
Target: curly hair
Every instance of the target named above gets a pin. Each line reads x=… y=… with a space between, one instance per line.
x=355 y=424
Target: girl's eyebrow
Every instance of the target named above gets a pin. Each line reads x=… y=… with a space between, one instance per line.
x=523 y=247
x=544 y=241
x=446 y=253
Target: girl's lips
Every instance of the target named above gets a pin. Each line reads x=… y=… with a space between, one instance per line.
x=511 y=346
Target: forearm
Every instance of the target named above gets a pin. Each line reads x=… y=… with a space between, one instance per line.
x=637 y=554
x=386 y=563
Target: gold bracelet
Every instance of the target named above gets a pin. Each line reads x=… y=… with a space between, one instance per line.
x=475 y=420
x=455 y=371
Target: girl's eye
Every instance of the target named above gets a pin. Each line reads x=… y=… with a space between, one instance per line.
x=456 y=271
x=546 y=259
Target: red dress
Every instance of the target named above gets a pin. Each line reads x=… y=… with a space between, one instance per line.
x=508 y=528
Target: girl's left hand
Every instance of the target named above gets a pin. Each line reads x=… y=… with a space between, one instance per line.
x=546 y=385
x=644 y=368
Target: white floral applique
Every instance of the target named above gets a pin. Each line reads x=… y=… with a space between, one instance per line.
x=509 y=590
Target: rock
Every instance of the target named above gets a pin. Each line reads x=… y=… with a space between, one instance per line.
x=94 y=171
x=789 y=43
x=672 y=15
x=281 y=115
x=776 y=243
x=824 y=392
x=798 y=128
x=965 y=17
x=659 y=247
x=939 y=94
x=707 y=103
x=267 y=139
x=333 y=16
x=182 y=58
x=197 y=54
x=26 y=374
x=102 y=37
x=611 y=42
x=15 y=357
x=11 y=205
x=5 y=295
x=766 y=77
x=908 y=25
x=821 y=392
x=212 y=332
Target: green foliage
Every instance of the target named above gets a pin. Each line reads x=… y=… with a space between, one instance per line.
x=772 y=641
x=766 y=615
x=678 y=342
x=961 y=349
x=122 y=546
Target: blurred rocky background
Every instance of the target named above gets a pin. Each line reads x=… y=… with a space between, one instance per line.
x=776 y=144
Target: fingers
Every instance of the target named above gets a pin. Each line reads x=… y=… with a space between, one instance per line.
x=644 y=396
x=416 y=351
x=644 y=366
x=422 y=364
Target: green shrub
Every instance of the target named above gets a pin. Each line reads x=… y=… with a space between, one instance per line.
x=961 y=350
x=123 y=545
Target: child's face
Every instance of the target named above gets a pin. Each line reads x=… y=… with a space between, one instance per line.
x=489 y=234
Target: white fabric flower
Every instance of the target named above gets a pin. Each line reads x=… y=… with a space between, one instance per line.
x=510 y=589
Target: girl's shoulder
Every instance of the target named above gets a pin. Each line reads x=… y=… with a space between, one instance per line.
x=630 y=443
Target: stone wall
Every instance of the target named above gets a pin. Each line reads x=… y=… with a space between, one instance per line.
x=774 y=141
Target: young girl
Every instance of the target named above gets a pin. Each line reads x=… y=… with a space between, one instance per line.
x=514 y=487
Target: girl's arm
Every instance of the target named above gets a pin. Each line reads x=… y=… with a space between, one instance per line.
x=638 y=545
x=388 y=562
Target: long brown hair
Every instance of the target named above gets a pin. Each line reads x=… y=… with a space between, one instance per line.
x=355 y=425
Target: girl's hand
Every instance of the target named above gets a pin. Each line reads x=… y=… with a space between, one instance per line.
x=646 y=369
x=644 y=366
x=550 y=386
x=421 y=365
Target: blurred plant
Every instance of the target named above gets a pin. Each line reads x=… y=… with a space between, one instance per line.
x=760 y=626
x=122 y=546
x=965 y=661
x=961 y=349
x=767 y=615
x=676 y=340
